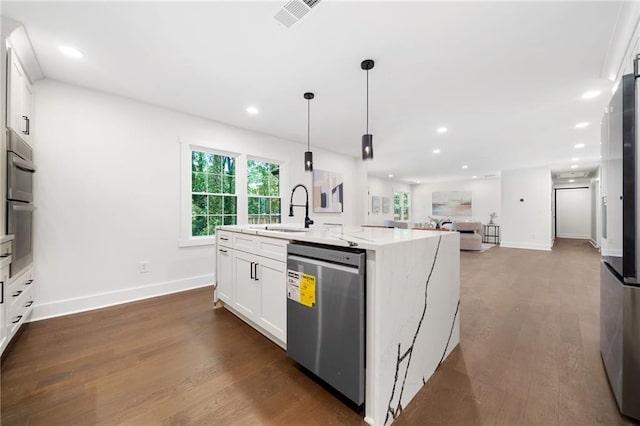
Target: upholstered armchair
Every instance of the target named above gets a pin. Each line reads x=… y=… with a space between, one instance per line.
x=470 y=234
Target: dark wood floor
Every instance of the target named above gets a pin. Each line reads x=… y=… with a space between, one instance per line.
x=528 y=355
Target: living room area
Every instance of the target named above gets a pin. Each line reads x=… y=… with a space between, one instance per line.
x=514 y=209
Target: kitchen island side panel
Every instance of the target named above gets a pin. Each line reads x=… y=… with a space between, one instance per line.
x=413 y=315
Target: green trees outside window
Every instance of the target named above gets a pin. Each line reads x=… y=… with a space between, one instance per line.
x=213 y=192
x=401 y=206
x=263 y=191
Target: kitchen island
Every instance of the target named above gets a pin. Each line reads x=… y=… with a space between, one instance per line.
x=412 y=302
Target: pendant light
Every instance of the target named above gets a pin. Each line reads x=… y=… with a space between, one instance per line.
x=367 y=139
x=308 y=156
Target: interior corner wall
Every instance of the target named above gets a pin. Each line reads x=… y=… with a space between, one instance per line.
x=485 y=198
x=384 y=188
x=526 y=208
x=107 y=193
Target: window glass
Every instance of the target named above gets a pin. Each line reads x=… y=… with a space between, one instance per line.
x=401 y=206
x=263 y=192
x=213 y=192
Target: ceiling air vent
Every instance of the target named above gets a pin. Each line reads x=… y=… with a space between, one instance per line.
x=293 y=11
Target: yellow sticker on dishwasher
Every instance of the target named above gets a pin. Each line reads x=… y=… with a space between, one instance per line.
x=308 y=290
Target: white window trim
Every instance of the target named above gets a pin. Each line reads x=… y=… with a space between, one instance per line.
x=242 y=209
x=186 y=239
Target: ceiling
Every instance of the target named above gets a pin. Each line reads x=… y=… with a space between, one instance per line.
x=505 y=78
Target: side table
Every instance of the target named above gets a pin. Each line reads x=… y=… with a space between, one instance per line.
x=491 y=234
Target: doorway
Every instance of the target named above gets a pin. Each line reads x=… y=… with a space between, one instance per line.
x=573 y=213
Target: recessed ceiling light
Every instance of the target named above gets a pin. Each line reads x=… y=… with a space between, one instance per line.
x=574 y=159
x=571 y=180
x=578 y=145
x=71 y=51
x=417 y=181
x=591 y=94
x=581 y=125
x=436 y=151
x=441 y=130
x=252 y=110
x=465 y=167
x=475 y=177
x=612 y=77
x=390 y=175
x=575 y=166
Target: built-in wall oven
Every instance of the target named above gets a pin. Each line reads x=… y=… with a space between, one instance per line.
x=20 y=208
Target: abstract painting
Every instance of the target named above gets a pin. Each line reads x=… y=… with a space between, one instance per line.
x=451 y=203
x=375 y=204
x=386 y=204
x=328 y=192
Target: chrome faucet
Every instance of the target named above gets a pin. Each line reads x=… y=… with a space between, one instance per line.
x=307 y=221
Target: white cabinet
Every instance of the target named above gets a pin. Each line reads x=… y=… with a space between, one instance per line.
x=4 y=282
x=19 y=98
x=224 y=262
x=251 y=280
x=272 y=314
x=247 y=288
x=19 y=302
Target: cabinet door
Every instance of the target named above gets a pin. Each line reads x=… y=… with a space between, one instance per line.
x=225 y=274
x=27 y=107
x=273 y=301
x=15 y=86
x=4 y=281
x=247 y=288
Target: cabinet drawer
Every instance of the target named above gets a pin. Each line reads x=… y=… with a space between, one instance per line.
x=20 y=311
x=273 y=248
x=225 y=238
x=244 y=242
x=17 y=291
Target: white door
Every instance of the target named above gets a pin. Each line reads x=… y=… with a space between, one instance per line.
x=27 y=107
x=225 y=274
x=573 y=213
x=273 y=302
x=247 y=290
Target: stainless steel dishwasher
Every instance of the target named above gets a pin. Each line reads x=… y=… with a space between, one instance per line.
x=326 y=314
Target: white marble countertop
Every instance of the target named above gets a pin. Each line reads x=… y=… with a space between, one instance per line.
x=346 y=236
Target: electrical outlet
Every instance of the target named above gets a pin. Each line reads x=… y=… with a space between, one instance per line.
x=144 y=266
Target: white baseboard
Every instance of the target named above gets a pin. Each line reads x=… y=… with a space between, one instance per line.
x=594 y=243
x=102 y=300
x=575 y=236
x=526 y=246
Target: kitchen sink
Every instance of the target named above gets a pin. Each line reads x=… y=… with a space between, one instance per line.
x=279 y=229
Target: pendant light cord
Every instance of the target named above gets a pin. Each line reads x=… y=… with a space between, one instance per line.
x=308 y=123
x=367 y=101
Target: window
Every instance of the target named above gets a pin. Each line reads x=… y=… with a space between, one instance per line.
x=263 y=192
x=213 y=192
x=401 y=206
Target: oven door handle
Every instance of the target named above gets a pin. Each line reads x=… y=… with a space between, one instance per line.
x=24 y=165
x=23 y=207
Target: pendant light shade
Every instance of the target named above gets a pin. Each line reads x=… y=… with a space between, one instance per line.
x=367 y=147
x=367 y=139
x=308 y=156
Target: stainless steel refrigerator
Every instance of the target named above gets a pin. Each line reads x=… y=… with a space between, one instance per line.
x=619 y=281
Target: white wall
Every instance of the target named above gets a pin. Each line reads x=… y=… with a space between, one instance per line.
x=526 y=224
x=485 y=198
x=108 y=196
x=573 y=213
x=384 y=188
